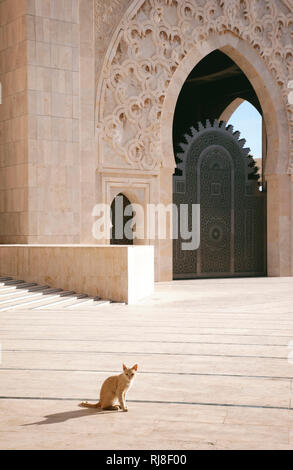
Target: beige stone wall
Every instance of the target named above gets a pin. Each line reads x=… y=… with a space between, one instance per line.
x=14 y=167
x=119 y=273
x=40 y=178
x=53 y=116
x=88 y=147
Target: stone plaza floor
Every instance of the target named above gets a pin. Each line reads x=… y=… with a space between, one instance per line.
x=214 y=370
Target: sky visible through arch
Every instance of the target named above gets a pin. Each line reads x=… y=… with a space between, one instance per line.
x=248 y=121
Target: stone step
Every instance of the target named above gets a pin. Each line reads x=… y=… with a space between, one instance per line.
x=37 y=288
x=12 y=292
x=44 y=302
x=31 y=300
x=7 y=289
x=29 y=293
x=51 y=290
x=72 y=300
x=51 y=303
x=26 y=285
x=13 y=283
x=14 y=297
x=88 y=303
x=68 y=292
x=18 y=294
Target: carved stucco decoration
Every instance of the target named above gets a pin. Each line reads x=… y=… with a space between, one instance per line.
x=151 y=40
x=108 y=14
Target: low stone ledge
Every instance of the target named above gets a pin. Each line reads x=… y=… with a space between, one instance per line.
x=117 y=272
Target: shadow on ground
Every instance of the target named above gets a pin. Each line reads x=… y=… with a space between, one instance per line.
x=67 y=415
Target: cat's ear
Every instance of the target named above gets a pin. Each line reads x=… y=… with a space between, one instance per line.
x=124 y=367
x=135 y=367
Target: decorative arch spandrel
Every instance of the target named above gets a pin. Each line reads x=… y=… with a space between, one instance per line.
x=152 y=39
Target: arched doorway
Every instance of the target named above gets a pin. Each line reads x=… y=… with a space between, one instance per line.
x=121 y=216
x=274 y=113
x=215 y=171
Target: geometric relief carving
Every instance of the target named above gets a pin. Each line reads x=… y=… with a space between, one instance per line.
x=180 y=187
x=151 y=41
x=216 y=221
x=216 y=189
x=108 y=14
x=249 y=234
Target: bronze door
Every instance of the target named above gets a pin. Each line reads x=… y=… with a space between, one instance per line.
x=216 y=172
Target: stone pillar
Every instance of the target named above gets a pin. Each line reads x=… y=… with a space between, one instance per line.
x=88 y=148
x=279 y=202
x=14 y=167
x=53 y=120
x=164 y=265
x=264 y=149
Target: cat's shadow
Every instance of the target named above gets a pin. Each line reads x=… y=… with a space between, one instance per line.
x=67 y=415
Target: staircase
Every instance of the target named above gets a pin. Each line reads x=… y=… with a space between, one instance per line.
x=31 y=296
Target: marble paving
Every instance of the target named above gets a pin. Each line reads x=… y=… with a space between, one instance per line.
x=214 y=369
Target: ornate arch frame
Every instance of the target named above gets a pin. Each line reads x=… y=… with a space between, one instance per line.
x=256 y=35
x=263 y=83
x=230 y=109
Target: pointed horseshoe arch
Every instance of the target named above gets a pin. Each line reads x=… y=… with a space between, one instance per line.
x=279 y=231
x=269 y=95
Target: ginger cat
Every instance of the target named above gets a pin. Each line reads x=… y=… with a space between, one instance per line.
x=114 y=388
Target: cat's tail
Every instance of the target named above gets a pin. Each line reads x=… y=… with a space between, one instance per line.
x=85 y=404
